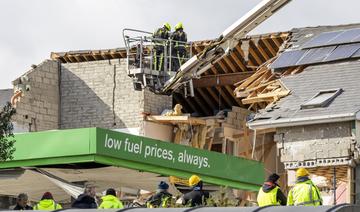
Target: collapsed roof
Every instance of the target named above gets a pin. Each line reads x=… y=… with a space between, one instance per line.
x=214 y=90
x=326 y=89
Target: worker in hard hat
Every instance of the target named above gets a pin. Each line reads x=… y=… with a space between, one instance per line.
x=178 y=39
x=160 y=36
x=197 y=196
x=161 y=199
x=304 y=192
x=270 y=193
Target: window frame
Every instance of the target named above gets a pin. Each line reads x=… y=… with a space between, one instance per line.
x=336 y=92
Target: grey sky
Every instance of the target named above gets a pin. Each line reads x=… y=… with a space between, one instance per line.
x=31 y=29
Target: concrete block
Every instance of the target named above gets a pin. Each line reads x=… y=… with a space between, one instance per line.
x=299 y=157
x=322 y=154
x=241 y=116
x=231 y=115
x=240 y=110
x=344 y=152
x=334 y=153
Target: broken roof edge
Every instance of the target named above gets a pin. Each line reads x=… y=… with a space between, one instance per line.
x=325 y=26
x=29 y=71
x=292 y=122
x=122 y=50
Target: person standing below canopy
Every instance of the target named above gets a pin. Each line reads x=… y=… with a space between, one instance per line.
x=161 y=198
x=270 y=193
x=87 y=199
x=304 y=192
x=110 y=201
x=197 y=196
x=22 y=202
x=47 y=203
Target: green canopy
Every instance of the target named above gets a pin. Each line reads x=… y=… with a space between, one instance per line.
x=118 y=149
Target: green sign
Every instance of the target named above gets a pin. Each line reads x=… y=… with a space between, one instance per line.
x=135 y=152
x=165 y=154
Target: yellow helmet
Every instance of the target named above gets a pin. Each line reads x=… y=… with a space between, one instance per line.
x=194 y=180
x=167 y=26
x=302 y=172
x=179 y=26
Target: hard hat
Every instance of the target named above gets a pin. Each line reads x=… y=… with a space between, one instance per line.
x=302 y=172
x=179 y=26
x=194 y=180
x=167 y=26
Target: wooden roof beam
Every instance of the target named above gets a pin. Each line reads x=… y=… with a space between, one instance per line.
x=206 y=98
x=230 y=64
x=238 y=62
x=269 y=47
x=221 y=79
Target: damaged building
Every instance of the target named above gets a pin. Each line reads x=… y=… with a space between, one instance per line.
x=275 y=101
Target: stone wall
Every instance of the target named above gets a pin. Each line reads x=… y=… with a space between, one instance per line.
x=38 y=108
x=315 y=145
x=87 y=94
x=101 y=94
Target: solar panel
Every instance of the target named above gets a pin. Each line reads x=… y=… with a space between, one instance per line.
x=343 y=52
x=287 y=59
x=356 y=54
x=357 y=39
x=316 y=55
x=347 y=36
x=322 y=39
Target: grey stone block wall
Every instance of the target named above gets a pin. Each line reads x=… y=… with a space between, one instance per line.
x=313 y=142
x=91 y=94
x=101 y=94
x=38 y=108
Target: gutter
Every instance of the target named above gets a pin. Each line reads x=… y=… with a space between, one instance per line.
x=291 y=122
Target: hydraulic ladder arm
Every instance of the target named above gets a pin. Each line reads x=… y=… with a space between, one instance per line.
x=198 y=64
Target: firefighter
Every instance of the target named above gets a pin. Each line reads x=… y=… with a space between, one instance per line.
x=161 y=198
x=304 y=192
x=179 y=39
x=160 y=36
x=270 y=193
x=196 y=197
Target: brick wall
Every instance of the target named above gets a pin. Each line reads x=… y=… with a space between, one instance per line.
x=38 y=108
x=315 y=144
x=101 y=94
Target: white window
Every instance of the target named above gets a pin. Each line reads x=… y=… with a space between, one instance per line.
x=322 y=98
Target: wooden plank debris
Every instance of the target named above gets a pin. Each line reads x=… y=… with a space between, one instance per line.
x=176 y=120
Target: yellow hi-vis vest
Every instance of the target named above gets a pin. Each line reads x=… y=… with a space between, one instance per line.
x=268 y=198
x=164 y=203
x=47 y=205
x=304 y=193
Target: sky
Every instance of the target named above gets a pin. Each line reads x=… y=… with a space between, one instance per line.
x=32 y=29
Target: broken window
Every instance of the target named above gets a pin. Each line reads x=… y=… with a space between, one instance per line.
x=321 y=99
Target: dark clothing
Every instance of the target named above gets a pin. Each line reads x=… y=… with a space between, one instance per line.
x=178 y=48
x=18 y=207
x=179 y=35
x=196 y=197
x=280 y=197
x=157 y=200
x=161 y=33
x=159 y=48
x=84 y=201
x=302 y=179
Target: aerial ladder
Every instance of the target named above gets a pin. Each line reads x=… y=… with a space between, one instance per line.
x=167 y=81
